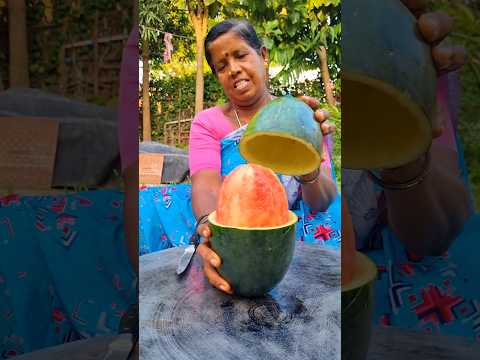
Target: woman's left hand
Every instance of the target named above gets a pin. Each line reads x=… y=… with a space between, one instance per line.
x=320 y=115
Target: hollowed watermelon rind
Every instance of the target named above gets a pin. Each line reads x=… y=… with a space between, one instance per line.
x=357 y=309
x=284 y=119
x=255 y=260
x=384 y=53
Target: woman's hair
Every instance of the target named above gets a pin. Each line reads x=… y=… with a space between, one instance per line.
x=240 y=27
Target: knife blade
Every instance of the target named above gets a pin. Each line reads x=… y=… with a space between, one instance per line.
x=187 y=255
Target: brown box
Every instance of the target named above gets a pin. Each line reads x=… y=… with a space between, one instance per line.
x=27 y=152
x=150 y=168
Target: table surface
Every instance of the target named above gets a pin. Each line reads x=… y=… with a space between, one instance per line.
x=96 y=348
x=402 y=344
x=185 y=318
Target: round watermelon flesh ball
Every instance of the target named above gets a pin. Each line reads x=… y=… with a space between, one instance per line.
x=252 y=196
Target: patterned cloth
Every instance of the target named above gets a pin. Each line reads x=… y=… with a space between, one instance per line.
x=435 y=294
x=64 y=269
x=167 y=219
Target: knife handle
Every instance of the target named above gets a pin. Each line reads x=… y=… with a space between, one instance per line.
x=195 y=238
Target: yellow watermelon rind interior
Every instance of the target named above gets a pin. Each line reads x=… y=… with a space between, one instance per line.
x=372 y=142
x=365 y=271
x=298 y=156
x=292 y=219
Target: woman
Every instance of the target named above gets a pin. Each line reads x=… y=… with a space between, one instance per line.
x=421 y=237
x=239 y=61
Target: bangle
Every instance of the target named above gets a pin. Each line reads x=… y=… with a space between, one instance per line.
x=201 y=220
x=406 y=184
x=311 y=181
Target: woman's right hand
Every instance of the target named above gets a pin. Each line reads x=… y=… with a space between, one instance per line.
x=211 y=261
x=434 y=28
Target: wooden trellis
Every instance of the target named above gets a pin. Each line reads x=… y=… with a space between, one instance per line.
x=176 y=133
x=91 y=67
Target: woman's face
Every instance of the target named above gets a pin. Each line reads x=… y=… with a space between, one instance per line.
x=239 y=68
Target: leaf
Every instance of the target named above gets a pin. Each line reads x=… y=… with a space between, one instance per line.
x=291 y=30
x=209 y=2
x=268 y=43
x=467 y=12
x=271 y=25
x=290 y=53
x=295 y=17
x=333 y=34
x=214 y=9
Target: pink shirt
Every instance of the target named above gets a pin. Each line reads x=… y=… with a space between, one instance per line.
x=208 y=129
x=128 y=102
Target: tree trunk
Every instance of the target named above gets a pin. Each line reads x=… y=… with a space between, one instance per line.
x=199 y=18
x=327 y=84
x=147 y=122
x=135 y=12
x=17 y=32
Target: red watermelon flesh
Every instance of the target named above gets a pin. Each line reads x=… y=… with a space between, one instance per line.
x=252 y=196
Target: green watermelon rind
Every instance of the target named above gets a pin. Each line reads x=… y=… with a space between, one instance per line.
x=254 y=260
x=285 y=117
x=357 y=309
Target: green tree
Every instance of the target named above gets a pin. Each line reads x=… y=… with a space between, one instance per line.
x=300 y=35
x=157 y=17
x=149 y=17
x=200 y=11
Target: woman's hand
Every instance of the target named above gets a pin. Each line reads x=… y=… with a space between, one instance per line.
x=434 y=28
x=318 y=190
x=320 y=115
x=211 y=261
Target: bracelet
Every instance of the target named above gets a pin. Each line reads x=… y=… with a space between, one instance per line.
x=406 y=184
x=311 y=181
x=201 y=220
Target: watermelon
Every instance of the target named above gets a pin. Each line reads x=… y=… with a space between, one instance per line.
x=252 y=196
x=357 y=308
x=284 y=137
x=254 y=260
x=253 y=231
x=388 y=86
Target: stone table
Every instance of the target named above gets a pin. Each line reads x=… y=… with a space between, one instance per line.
x=185 y=318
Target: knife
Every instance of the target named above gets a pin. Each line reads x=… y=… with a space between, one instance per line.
x=188 y=253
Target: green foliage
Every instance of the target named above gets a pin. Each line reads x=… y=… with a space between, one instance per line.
x=467 y=33
x=159 y=16
x=294 y=32
x=173 y=98
x=70 y=22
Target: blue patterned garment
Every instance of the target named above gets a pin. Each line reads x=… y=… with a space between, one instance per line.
x=64 y=269
x=433 y=294
x=167 y=220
